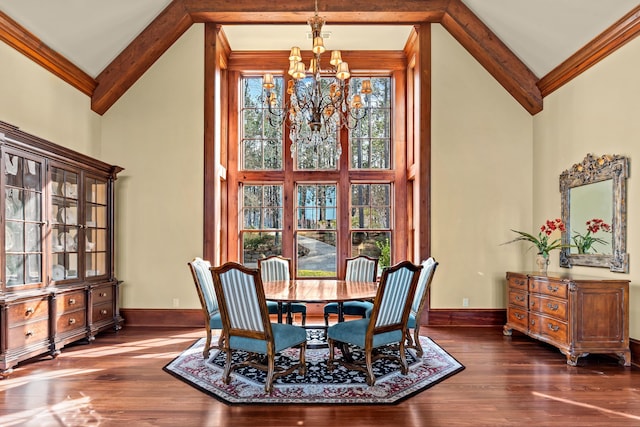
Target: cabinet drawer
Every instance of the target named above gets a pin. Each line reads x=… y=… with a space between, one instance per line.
x=102 y=295
x=71 y=301
x=102 y=312
x=517 y=317
x=549 y=327
x=28 y=310
x=556 y=289
x=518 y=283
x=25 y=334
x=553 y=307
x=71 y=321
x=518 y=298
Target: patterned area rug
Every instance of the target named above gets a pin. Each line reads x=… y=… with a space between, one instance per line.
x=318 y=386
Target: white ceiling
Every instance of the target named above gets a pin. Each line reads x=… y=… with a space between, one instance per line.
x=91 y=33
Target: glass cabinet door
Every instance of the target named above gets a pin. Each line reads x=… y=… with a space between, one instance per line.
x=65 y=228
x=96 y=231
x=23 y=220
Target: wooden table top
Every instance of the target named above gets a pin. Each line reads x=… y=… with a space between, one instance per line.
x=319 y=290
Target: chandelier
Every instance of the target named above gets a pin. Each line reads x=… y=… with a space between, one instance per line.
x=317 y=107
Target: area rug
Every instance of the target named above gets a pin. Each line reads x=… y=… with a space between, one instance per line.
x=318 y=386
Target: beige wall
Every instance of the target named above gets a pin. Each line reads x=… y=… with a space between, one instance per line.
x=43 y=105
x=155 y=131
x=481 y=179
x=595 y=113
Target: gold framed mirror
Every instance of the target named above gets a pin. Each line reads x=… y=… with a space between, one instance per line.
x=593 y=197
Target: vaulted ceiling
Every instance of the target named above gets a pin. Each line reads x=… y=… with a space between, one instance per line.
x=530 y=47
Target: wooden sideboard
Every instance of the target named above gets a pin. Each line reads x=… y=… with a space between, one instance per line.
x=578 y=315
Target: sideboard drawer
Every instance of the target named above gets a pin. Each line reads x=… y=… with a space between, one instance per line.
x=518 y=298
x=518 y=317
x=554 y=307
x=28 y=310
x=553 y=288
x=518 y=283
x=25 y=334
x=102 y=294
x=71 y=321
x=71 y=301
x=102 y=312
x=550 y=328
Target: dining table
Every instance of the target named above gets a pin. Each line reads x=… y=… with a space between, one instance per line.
x=318 y=291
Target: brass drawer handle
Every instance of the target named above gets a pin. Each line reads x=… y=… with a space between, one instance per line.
x=554 y=328
x=103 y=311
x=28 y=334
x=102 y=294
x=518 y=316
x=532 y=304
x=533 y=322
x=553 y=307
x=552 y=288
x=519 y=282
x=29 y=311
x=72 y=301
x=519 y=298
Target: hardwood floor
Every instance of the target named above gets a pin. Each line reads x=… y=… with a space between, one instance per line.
x=118 y=381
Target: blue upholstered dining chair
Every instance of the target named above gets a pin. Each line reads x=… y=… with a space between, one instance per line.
x=360 y=269
x=419 y=300
x=387 y=324
x=200 y=270
x=248 y=328
x=275 y=268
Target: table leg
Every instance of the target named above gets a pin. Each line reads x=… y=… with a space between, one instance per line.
x=279 y=312
x=340 y=312
x=289 y=314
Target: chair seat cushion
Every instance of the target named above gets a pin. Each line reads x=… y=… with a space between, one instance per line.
x=354 y=332
x=215 y=322
x=411 y=323
x=352 y=308
x=284 y=335
x=296 y=307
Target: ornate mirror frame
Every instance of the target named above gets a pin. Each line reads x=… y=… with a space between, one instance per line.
x=595 y=169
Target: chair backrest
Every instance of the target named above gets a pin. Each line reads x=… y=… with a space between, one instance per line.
x=243 y=307
x=361 y=269
x=424 y=283
x=274 y=268
x=394 y=297
x=200 y=270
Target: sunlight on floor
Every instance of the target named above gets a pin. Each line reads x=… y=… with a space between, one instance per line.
x=9 y=383
x=586 y=405
x=77 y=412
x=127 y=348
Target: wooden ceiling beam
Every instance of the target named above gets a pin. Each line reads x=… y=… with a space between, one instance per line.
x=140 y=55
x=29 y=45
x=614 y=37
x=494 y=55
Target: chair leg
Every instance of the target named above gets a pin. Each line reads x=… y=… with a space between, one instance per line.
x=268 y=383
x=371 y=379
x=330 y=359
x=227 y=366
x=207 y=344
x=403 y=360
x=304 y=318
x=302 y=360
x=416 y=338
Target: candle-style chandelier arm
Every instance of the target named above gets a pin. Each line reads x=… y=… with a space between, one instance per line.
x=323 y=104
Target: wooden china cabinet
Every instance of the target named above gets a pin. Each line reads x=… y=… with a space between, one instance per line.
x=57 y=274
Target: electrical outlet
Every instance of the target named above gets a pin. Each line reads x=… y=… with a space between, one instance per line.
x=176 y=302
x=465 y=302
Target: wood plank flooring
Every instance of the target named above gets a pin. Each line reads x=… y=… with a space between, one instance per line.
x=117 y=380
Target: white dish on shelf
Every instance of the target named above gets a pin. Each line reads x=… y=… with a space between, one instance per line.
x=57 y=272
x=71 y=190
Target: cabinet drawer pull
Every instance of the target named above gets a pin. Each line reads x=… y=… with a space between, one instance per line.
x=554 y=328
x=103 y=311
x=552 y=288
x=519 y=298
x=28 y=334
x=72 y=301
x=102 y=294
x=553 y=307
x=533 y=322
x=72 y=321
x=518 y=316
x=519 y=282
x=532 y=304
x=29 y=311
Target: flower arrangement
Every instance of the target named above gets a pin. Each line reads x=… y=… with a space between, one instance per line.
x=585 y=242
x=542 y=240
